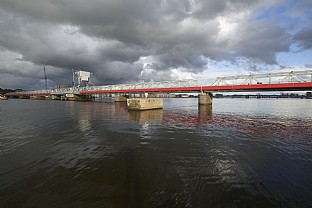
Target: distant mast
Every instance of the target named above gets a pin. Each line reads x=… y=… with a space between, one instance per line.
x=45 y=78
x=73 y=77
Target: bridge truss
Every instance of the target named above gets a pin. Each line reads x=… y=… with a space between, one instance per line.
x=269 y=78
x=144 y=85
x=294 y=80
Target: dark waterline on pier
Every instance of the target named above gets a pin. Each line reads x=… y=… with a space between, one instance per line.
x=239 y=153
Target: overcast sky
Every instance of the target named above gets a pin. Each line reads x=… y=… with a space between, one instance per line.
x=123 y=41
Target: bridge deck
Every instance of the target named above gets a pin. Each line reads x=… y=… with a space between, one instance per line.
x=250 y=87
x=298 y=86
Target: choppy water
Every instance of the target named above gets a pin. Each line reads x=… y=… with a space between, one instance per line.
x=240 y=153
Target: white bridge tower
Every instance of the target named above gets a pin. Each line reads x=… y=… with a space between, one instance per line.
x=80 y=77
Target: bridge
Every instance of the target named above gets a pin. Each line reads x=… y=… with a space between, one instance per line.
x=282 y=81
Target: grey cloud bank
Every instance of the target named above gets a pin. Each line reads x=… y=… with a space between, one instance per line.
x=126 y=41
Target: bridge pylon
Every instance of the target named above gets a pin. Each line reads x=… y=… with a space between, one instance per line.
x=205 y=98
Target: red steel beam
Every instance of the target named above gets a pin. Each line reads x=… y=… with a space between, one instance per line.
x=249 y=87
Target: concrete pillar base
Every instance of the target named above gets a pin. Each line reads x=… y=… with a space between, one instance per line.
x=205 y=99
x=37 y=97
x=121 y=98
x=138 y=104
x=204 y=111
x=74 y=97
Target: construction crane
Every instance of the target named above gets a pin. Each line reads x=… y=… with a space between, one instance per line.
x=45 y=78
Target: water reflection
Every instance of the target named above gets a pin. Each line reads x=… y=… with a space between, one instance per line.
x=147 y=116
x=146 y=119
x=195 y=157
x=84 y=123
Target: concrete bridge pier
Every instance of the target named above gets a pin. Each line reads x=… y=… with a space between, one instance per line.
x=76 y=97
x=205 y=98
x=121 y=98
x=56 y=97
x=139 y=104
x=204 y=112
x=24 y=97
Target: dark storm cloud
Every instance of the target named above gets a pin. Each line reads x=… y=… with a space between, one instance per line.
x=304 y=38
x=111 y=37
x=117 y=72
x=119 y=51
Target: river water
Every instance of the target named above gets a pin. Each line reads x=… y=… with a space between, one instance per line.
x=239 y=153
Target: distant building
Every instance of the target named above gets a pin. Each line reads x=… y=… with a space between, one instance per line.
x=60 y=86
x=182 y=95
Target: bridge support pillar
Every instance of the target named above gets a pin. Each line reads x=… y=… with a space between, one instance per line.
x=138 y=104
x=56 y=97
x=204 y=112
x=37 y=97
x=205 y=98
x=121 y=98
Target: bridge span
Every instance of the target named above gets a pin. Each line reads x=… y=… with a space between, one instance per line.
x=299 y=86
x=283 y=81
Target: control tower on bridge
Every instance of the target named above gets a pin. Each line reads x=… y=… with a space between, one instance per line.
x=81 y=78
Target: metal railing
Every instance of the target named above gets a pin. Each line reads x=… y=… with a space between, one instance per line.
x=269 y=78
x=30 y=93
x=140 y=85
x=143 y=85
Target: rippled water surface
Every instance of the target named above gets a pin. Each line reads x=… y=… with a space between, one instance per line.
x=239 y=153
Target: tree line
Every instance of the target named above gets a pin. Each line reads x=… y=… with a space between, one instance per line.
x=3 y=91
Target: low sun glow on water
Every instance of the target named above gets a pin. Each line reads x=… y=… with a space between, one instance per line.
x=239 y=152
